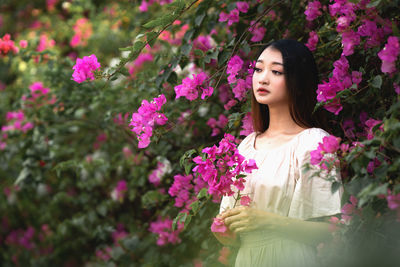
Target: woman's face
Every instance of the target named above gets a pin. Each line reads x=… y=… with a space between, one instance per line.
x=269 y=85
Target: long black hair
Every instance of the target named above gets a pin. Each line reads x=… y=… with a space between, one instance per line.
x=301 y=77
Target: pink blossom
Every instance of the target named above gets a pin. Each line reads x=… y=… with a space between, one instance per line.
x=230 y=104
x=330 y=144
x=144 y=6
x=217 y=125
x=389 y=54
x=245 y=201
x=242 y=6
x=232 y=17
x=373 y=164
x=218 y=226
x=146 y=118
x=45 y=43
x=247 y=125
x=84 y=68
x=7 y=45
x=350 y=39
x=257 y=32
x=104 y=254
x=23 y=43
x=240 y=89
x=163 y=227
x=83 y=30
x=312 y=41
x=393 y=201
x=316 y=156
x=356 y=77
x=313 y=10
x=335 y=106
x=203 y=42
x=180 y=189
x=371 y=123
x=349 y=209
x=235 y=64
x=190 y=87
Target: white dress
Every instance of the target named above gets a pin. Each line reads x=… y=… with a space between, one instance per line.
x=279 y=185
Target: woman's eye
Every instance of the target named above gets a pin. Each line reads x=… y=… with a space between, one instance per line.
x=276 y=72
x=257 y=69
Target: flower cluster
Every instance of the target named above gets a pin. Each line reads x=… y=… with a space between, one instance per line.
x=341 y=79
x=313 y=10
x=144 y=5
x=163 y=227
x=84 y=68
x=39 y=95
x=323 y=154
x=389 y=55
x=180 y=189
x=146 y=118
x=7 y=45
x=312 y=41
x=217 y=125
x=83 y=30
x=45 y=43
x=223 y=167
x=247 y=126
x=350 y=209
x=190 y=88
x=15 y=120
x=240 y=86
x=257 y=30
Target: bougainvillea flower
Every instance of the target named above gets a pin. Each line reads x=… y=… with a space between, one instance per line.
x=84 y=68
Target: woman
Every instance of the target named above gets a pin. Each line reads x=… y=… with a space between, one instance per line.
x=290 y=208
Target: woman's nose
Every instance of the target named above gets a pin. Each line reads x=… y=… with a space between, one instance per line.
x=264 y=78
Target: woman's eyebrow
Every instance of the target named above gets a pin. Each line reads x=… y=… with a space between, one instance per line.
x=272 y=63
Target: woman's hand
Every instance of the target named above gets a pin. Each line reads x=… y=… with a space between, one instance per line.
x=228 y=238
x=245 y=219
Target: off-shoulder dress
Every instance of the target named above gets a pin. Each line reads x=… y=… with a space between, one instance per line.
x=280 y=185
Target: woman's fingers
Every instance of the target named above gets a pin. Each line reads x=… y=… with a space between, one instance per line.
x=232 y=212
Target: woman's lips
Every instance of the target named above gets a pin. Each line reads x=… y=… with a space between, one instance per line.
x=262 y=91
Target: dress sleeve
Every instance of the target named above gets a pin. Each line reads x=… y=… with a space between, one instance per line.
x=312 y=196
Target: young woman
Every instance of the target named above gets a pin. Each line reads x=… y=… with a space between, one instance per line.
x=290 y=208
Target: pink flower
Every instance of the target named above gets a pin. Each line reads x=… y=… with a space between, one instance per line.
x=370 y=123
x=84 y=68
x=45 y=43
x=312 y=41
x=190 y=87
x=247 y=126
x=396 y=88
x=350 y=39
x=242 y=6
x=23 y=43
x=232 y=17
x=316 y=156
x=138 y=63
x=235 y=64
x=389 y=54
x=163 y=227
x=83 y=30
x=245 y=201
x=313 y=10
x=330 y=144
x=257 y=31
x=218 y=226
x=146 y=118
x=356 y=77
x=7 y=45
x=335 y=107
x=219 y=125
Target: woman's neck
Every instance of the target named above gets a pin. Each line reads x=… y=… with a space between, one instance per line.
x=281 y=122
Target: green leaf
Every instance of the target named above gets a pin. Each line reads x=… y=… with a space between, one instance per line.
x=202 y=193
x=129 y=48
x=24 y=173
x=194 y=206
x=198 y=53
x=181 y=217
x=373 y=3
x=185 y=49
x=188 y=168
x=151 y=37
x=199 y=19
x=377 y=81
x=223 y=57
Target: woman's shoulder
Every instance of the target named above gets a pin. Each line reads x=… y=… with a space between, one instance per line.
x=310 y=139
x=248 y=142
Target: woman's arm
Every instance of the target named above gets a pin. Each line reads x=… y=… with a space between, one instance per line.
x=243 y=219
